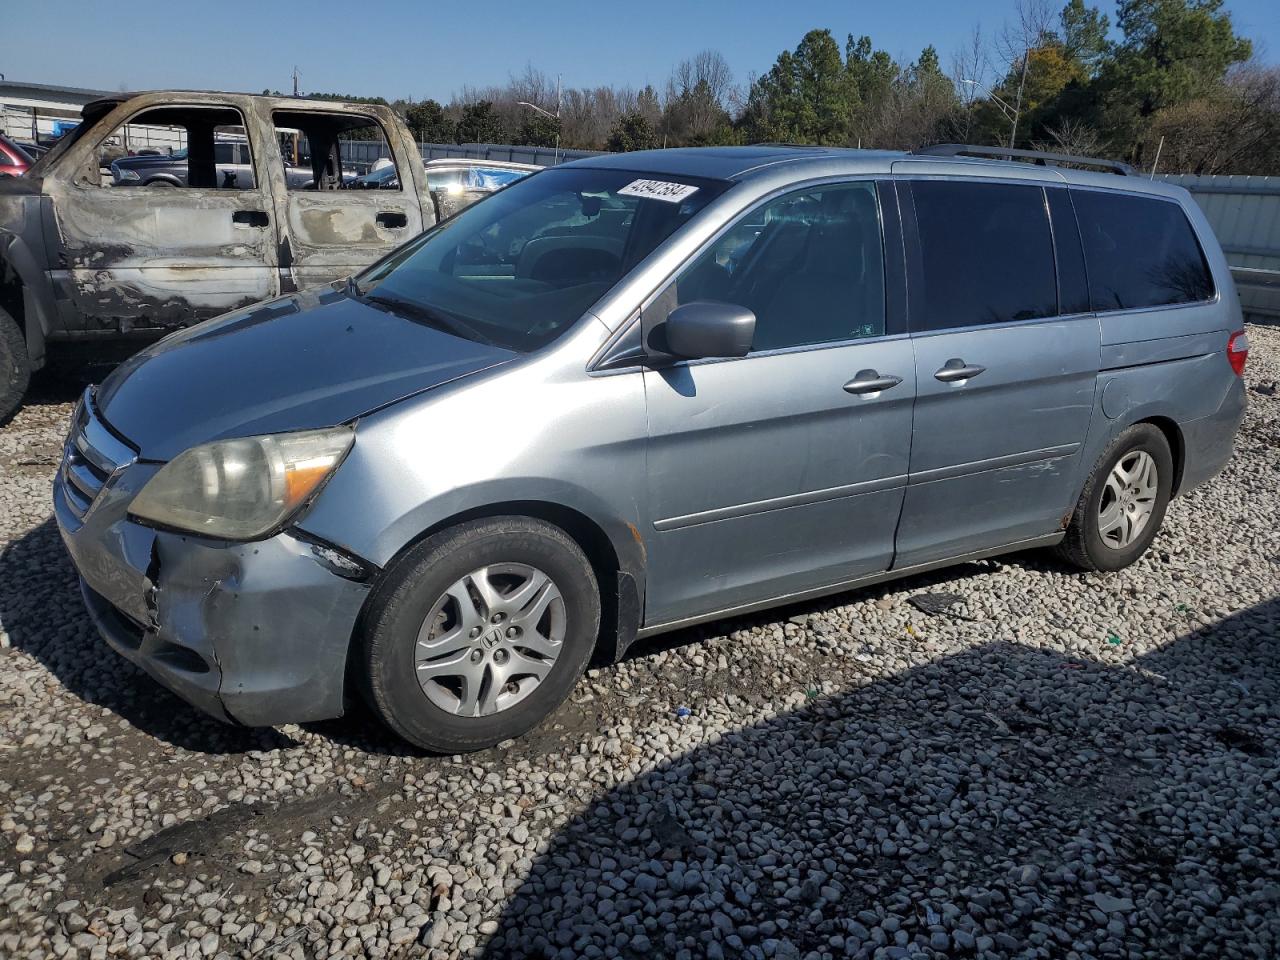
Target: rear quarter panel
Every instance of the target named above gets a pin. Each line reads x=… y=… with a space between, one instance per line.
x=1170 y=363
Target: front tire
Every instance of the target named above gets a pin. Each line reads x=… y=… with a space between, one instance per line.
x=15 y=366
x=1123 y=502
x=479 y=633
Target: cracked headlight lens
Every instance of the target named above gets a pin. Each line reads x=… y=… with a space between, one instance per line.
x=241 y=489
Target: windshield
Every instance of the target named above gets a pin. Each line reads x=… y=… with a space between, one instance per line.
x=517 y=269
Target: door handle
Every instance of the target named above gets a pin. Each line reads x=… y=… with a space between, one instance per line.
x=955 y=370
x=869 y=381
x=254 y=218
x=392 y=218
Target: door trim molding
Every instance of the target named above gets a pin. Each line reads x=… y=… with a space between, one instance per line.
x=780 y=503
x=993 y=463
x=844 y=585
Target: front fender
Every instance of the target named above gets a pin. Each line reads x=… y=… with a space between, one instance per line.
x=17 y=262
x=382 y=540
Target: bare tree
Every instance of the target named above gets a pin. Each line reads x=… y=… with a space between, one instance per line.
x=707 y=67
x=1072 y=136
x=1233 y=129
x=1031 y=25
x=697 y=92
x=970 y=67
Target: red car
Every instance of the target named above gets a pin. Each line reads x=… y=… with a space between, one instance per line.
x=14 y=161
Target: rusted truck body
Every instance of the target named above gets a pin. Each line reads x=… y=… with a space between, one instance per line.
x=81 y=258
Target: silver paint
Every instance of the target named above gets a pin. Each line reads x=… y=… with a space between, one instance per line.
x=711 y=487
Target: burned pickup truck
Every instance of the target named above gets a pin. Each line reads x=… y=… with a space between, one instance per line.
x=83 y=256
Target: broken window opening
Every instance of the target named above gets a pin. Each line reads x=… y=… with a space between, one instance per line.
x=334 y=151
x=179 y=146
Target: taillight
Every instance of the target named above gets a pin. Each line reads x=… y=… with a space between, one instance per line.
x=1238 y=351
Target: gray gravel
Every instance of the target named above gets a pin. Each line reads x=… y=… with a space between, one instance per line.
x=1057 y=766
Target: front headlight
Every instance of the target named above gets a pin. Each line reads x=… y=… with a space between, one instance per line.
x=127 y=175
x=241 y=489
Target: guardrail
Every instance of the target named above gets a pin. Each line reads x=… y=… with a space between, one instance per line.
x=1245 y=214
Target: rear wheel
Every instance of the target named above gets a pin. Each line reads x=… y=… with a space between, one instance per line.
x=479 y=633
x=1123 y=502
x=15 y=366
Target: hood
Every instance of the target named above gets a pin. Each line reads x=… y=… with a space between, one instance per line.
x=142 y=163
x=297 y=363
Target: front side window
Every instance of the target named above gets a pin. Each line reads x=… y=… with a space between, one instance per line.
x=809 y=265
x=520 y=267
x=166 y=147
x=986 y=252
x=1140 y=252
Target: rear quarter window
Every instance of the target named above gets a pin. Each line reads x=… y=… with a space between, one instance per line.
x=1139 y=252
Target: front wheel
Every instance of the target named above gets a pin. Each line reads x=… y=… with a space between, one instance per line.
x=15 y=366
x=480 y=632
x=1123 y=502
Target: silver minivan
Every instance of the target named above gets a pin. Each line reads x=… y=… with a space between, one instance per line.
x=637 y=392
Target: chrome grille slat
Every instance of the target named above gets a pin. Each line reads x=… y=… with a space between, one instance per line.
x=77 y=502
x=91 y=456
x=81 y=477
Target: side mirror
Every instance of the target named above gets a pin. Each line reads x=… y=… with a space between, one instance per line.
x=708 y=328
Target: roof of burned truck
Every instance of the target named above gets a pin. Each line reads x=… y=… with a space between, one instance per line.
x=111 y=101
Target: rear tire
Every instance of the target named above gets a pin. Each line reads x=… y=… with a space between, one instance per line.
x=1123 y=502
x=479 y=633
x=15 y=367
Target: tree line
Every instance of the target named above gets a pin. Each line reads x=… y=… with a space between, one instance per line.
x=1171 y=82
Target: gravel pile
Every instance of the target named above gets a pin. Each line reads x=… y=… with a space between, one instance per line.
x=1054 y=765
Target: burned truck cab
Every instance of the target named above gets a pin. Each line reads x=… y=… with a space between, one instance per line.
x=247 y=201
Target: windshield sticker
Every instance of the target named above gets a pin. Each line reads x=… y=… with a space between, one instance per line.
x=658 y=190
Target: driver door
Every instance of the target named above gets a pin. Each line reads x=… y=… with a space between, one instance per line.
x=784 y=470
x=159 y=256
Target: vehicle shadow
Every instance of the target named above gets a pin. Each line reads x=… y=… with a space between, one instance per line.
x=1004 y=801
x=44 y=616
x=1039 y=560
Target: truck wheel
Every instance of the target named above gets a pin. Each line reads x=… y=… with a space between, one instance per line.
x=1123 y=502
x=15 y=366
x=478 y=633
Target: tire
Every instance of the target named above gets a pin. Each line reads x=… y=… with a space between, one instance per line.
x=406 y=679
x=1092 y=544
x=15 y=366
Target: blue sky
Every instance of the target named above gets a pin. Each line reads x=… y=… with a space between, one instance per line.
x=431 y=49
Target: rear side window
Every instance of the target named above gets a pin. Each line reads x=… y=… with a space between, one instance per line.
x=1140 y=252
x=986 y=252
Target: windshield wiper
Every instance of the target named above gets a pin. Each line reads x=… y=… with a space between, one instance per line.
x=416 y=311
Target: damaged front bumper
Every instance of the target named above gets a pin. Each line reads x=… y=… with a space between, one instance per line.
x=254 y=633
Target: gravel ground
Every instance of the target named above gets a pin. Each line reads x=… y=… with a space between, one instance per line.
x=1061 y=766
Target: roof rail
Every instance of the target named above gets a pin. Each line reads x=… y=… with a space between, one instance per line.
x=1036 y=156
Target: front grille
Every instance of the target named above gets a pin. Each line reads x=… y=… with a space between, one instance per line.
x=91 y=456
